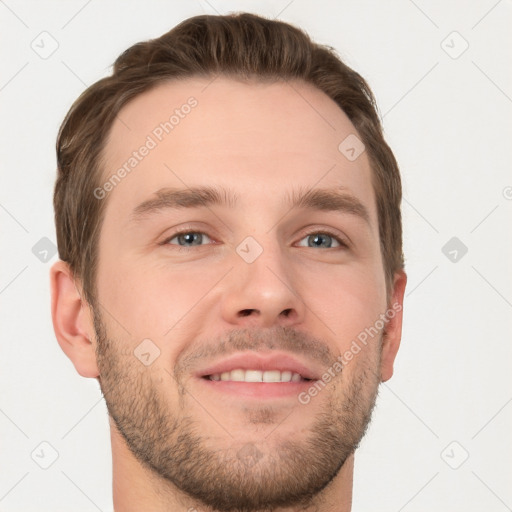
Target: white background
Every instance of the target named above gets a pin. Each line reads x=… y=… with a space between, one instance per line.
x=448 y=122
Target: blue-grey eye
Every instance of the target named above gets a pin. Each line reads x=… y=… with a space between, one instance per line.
x=190 y=239
x=323 y=240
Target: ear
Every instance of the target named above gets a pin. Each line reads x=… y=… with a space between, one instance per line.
x=393 y=330
x=72 y=320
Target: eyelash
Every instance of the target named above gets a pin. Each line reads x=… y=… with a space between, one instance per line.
x=343 y=244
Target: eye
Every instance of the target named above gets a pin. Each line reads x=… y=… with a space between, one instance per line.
x=188 y=239
x=320 y=239
x=323 y=240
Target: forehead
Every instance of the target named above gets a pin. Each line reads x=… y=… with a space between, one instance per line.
x=252 y=137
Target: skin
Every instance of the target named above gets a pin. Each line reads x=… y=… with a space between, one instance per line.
x=261 y=141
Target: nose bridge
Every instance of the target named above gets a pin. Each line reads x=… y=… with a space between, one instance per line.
x=262 y=288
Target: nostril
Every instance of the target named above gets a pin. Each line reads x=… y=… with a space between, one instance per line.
x=246 y=312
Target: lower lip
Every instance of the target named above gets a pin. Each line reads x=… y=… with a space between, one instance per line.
x=258 y=389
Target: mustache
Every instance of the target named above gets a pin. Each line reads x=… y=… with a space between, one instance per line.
x=256 y=339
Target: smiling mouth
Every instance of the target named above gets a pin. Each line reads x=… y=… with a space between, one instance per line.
x=257 y=376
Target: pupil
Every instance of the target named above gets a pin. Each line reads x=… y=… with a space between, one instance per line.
x=317 y=240
x=190 y=238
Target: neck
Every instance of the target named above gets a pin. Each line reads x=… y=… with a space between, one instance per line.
x=136 y=488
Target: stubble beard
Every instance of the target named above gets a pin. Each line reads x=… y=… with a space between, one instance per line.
x=244 y=476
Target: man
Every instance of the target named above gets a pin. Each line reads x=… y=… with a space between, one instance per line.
x=228 y=220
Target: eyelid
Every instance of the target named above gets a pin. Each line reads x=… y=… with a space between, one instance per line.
x=342 y=239
x=184 y=231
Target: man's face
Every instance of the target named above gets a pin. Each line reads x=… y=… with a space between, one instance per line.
x=257 y=290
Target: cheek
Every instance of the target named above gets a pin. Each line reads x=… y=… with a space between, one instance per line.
x=347 y=299
x=154 y=300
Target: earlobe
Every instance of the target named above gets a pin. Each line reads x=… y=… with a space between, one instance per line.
x=391 y=340
x=72 y=320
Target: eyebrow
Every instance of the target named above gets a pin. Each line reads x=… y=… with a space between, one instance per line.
x=321 y=199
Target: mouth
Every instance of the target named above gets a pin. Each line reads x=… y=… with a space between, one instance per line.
x=241 y=375
x=257 y=375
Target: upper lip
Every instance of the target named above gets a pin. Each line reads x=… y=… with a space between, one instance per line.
x=261 y=361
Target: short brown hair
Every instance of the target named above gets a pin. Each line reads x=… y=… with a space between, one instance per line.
x=242 y=46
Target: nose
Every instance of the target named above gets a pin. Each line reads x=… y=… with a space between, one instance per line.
x=262 y=293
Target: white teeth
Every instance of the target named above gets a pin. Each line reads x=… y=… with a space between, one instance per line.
x=272 y=376
x=253 y=375
x=286 y=376
x=240 y=375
